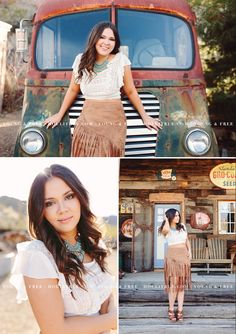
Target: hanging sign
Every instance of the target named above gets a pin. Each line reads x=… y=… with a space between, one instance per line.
x=166 y=174
x=200 y=220
x=224 y=175
x=126 y=207
x=127 y=229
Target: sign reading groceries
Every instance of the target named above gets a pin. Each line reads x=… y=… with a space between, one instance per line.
x=224 y=175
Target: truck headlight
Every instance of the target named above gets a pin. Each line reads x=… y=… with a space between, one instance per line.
x=197 y=142
x=32 y=141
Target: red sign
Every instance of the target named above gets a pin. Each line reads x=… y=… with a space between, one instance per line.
x=200 y=220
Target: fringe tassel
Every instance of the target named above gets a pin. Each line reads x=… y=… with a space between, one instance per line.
x=86 y=143
x=177 y=269
x=177 y=276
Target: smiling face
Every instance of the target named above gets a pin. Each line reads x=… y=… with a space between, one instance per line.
x=61 y=207
x=106 y=43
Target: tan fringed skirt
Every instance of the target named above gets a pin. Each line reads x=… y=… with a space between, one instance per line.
x=100 y=131
x=177 y=269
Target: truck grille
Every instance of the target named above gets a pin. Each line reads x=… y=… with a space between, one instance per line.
x=140 y=142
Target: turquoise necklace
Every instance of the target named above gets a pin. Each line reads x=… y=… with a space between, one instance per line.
x=76 y=249
x=97 y=68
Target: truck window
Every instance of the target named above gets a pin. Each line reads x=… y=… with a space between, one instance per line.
x=154 y=40
x=61 y=38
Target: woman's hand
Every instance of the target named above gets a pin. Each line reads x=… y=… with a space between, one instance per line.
x=167 y=222
x=151 y=123
x=112 y=311
x=52 y=121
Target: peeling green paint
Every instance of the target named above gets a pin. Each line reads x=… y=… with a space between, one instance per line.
x=40 y=103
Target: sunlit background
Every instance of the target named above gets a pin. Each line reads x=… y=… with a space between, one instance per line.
x=98 y=175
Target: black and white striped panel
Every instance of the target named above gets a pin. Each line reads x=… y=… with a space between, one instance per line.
x=140 y=142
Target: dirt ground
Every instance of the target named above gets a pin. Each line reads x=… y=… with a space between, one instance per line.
x=18 y=318
x=9 y=125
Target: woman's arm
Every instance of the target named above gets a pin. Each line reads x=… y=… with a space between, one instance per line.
x=133 y=96
x=47 y=305
x=105 y=308
x=189 y=248
x=166 y=227
x=69 y=98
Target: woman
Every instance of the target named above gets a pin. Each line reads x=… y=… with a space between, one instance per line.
x=63 y=270
x=177 y=270
x=99 y=73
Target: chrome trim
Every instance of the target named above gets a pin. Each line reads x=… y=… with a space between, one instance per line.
x=140 y=141
x=25 y=131
x=186 y=142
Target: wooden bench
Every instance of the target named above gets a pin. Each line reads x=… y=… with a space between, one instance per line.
x=217 y=249
x=210 y=252
x=199 y=252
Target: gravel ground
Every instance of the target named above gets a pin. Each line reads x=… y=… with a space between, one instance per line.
x=9 y=125
x=18 y=318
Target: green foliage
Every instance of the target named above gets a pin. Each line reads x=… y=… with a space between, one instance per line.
x=216 y=24
x=12 y=11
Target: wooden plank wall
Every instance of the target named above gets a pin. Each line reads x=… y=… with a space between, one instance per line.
x=138 y=179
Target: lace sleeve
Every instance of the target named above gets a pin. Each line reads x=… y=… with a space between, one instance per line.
x=123 y=61
x=32 y=260
x=75 y=67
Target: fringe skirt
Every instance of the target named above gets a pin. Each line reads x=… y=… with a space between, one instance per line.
x=100 y=131
x=177 y=269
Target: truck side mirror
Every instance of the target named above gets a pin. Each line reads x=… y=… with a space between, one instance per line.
x=21 y=40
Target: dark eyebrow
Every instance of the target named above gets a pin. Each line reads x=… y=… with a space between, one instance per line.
x=67 y=192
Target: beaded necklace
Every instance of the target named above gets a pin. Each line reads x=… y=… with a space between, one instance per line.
x=76 y=249
x=97 y=68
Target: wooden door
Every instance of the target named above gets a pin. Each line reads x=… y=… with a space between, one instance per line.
x=142 y=236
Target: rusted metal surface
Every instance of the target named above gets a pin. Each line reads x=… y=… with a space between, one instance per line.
x=183 y=108
x=39 y=103
x=179 y=8
x=51 y=8
x=181 y=92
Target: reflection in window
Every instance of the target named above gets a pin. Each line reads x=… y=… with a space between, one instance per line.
x=61 y=38
x=226 y=217
x=153 y=40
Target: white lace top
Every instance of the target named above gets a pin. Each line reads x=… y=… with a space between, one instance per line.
x=175 y=237
x=105 y=84
x=34 y=260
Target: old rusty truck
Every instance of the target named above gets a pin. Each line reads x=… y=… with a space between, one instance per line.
x=160 y=39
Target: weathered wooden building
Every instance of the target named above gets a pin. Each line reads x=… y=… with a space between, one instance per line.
x=203 y=190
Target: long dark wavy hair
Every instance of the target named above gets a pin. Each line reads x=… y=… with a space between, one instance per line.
x=89 y=56
x=170 y=214
x=41 y=229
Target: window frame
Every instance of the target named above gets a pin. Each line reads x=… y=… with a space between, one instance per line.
x=219 y=226
x=166 y=14
x=108 y=9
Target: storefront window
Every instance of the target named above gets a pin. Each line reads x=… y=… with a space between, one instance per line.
x=226 y=217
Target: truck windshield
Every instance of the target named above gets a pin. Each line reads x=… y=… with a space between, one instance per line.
x=61 y=38
x=154 y=40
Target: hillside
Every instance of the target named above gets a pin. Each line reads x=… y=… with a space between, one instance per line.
x=13 y=216
x=12 y=213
